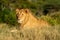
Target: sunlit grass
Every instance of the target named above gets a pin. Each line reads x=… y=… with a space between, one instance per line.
x=11 y=33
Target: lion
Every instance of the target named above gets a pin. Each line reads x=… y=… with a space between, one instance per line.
x=27 y=20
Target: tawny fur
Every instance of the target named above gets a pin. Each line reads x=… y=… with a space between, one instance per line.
x=28 y=20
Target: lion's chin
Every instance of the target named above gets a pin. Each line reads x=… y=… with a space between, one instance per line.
x=19 y=21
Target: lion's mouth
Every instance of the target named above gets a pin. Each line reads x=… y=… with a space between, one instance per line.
x=20 y=20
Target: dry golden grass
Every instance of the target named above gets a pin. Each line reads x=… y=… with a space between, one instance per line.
x=11 y=33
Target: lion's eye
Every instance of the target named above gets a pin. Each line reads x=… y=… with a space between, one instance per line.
x=22 y=14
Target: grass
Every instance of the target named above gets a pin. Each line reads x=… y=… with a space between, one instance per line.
x=53 y=18
x=11 y=33
x=8 y=32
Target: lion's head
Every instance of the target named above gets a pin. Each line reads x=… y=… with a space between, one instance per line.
x=21 y=14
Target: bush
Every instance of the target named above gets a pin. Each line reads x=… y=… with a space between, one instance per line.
x=8 y=17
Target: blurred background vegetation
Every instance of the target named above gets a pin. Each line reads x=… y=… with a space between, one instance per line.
x=46 y=9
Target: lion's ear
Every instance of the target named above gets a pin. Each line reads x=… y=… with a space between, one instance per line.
x=26 y=10
x=17 y=10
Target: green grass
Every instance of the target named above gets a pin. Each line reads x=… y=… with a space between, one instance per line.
x=11 y=33
x=52 y=18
